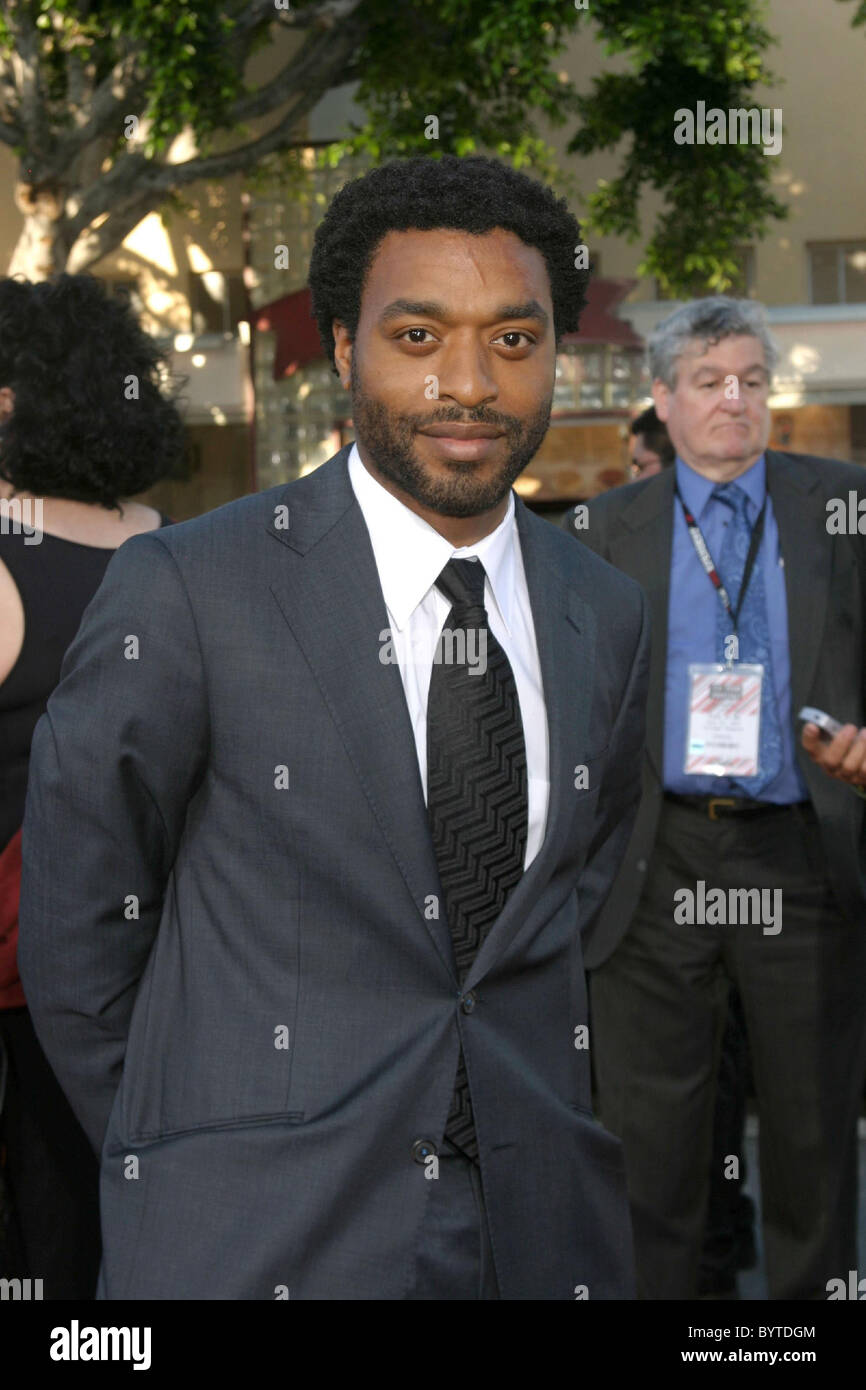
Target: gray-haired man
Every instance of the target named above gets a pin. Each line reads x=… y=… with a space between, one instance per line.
x=747 y=860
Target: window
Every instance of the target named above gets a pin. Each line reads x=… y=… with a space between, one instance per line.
x=858 y=433
x=598 y=377
x=216 y=301
x=837 y=272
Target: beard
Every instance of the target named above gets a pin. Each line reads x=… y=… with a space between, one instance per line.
x=390 y=441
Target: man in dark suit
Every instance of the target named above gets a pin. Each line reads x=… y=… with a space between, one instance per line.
x=333 y=778
x=752 y=580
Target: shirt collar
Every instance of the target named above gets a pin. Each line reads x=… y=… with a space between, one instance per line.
x=696 y=490
x=410 y=555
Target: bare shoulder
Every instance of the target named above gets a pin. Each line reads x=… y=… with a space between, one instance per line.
x=11 y=622
x=89 y=524
x=138 y=518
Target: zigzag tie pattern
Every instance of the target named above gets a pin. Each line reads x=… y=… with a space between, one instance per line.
x=477 y=802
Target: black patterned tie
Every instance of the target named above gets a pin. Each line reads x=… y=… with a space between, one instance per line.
x=477 y=800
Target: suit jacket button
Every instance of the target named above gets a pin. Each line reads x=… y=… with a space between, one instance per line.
x=423 y=1149
x=467 y=1003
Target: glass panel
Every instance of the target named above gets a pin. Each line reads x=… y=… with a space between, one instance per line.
x=620 y=366
x=591 y=395
x=621 y=394
x=565 y=384
x=855 y=274
x=592 y=361
x=823 y=261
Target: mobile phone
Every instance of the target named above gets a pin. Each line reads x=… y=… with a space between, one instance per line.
x=828 y=727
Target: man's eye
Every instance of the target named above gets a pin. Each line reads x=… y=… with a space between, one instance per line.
x=419 y=341
x=514 y=333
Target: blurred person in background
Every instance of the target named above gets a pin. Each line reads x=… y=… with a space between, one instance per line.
x=649 y=446
x=741 y=531
x=729 y=1242
x=83 y=426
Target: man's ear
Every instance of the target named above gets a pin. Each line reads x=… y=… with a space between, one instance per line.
x=342 y=352
x=661 y=395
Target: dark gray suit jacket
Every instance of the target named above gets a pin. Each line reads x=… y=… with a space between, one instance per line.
x=226 y=850
x=825 y=584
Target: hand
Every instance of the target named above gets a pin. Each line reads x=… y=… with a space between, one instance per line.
x=844 y=757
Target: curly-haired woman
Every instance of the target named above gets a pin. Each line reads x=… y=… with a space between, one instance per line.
x=84 y=425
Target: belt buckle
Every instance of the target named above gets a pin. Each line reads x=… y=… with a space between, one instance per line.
x=719 y=801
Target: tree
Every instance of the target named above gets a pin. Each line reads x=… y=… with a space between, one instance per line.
x=716 y=196
x=93 y=94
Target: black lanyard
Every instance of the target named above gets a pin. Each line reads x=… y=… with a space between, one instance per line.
x=708 y=563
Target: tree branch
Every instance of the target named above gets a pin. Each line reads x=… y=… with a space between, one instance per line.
x=24 y=62
x=119 y=93
x=96 y=243
x=330 y=12
x=134 y=176
x=293 y=75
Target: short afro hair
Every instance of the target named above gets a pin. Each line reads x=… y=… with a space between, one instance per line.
x=474 y=194
x=67 y=347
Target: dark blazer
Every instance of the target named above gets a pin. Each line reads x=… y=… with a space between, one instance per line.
x=227 y=850
x=825 y=584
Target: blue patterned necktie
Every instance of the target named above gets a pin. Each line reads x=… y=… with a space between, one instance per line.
x=753 y=630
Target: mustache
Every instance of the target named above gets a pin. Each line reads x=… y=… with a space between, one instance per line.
x=451 y=417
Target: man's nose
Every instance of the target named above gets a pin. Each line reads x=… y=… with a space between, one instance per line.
x=466 y=373
x=732 y=396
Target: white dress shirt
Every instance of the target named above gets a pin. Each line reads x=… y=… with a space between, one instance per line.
x=410 y=556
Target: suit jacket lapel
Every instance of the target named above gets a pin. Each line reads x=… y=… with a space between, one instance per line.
x=329 y=593
x=798 y=509
x=641 y=546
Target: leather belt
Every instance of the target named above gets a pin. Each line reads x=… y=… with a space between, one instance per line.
x=721 y=807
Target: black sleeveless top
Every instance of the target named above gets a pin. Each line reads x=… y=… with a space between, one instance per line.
x=56 y=580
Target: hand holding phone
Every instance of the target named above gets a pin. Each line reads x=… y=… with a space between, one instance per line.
x=828 y=727
x=850 y=763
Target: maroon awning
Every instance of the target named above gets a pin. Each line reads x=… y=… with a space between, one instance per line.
x=298 y=341
x=598 y=322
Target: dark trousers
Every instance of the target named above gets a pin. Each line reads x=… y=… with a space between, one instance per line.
x=50 y=1176
x=729 y=1243
x=659 y=1006
x=455 y=1260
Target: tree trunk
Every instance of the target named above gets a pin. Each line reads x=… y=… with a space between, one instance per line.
x=41 y=250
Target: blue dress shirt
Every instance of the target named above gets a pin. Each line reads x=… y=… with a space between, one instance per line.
x=692 y=610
